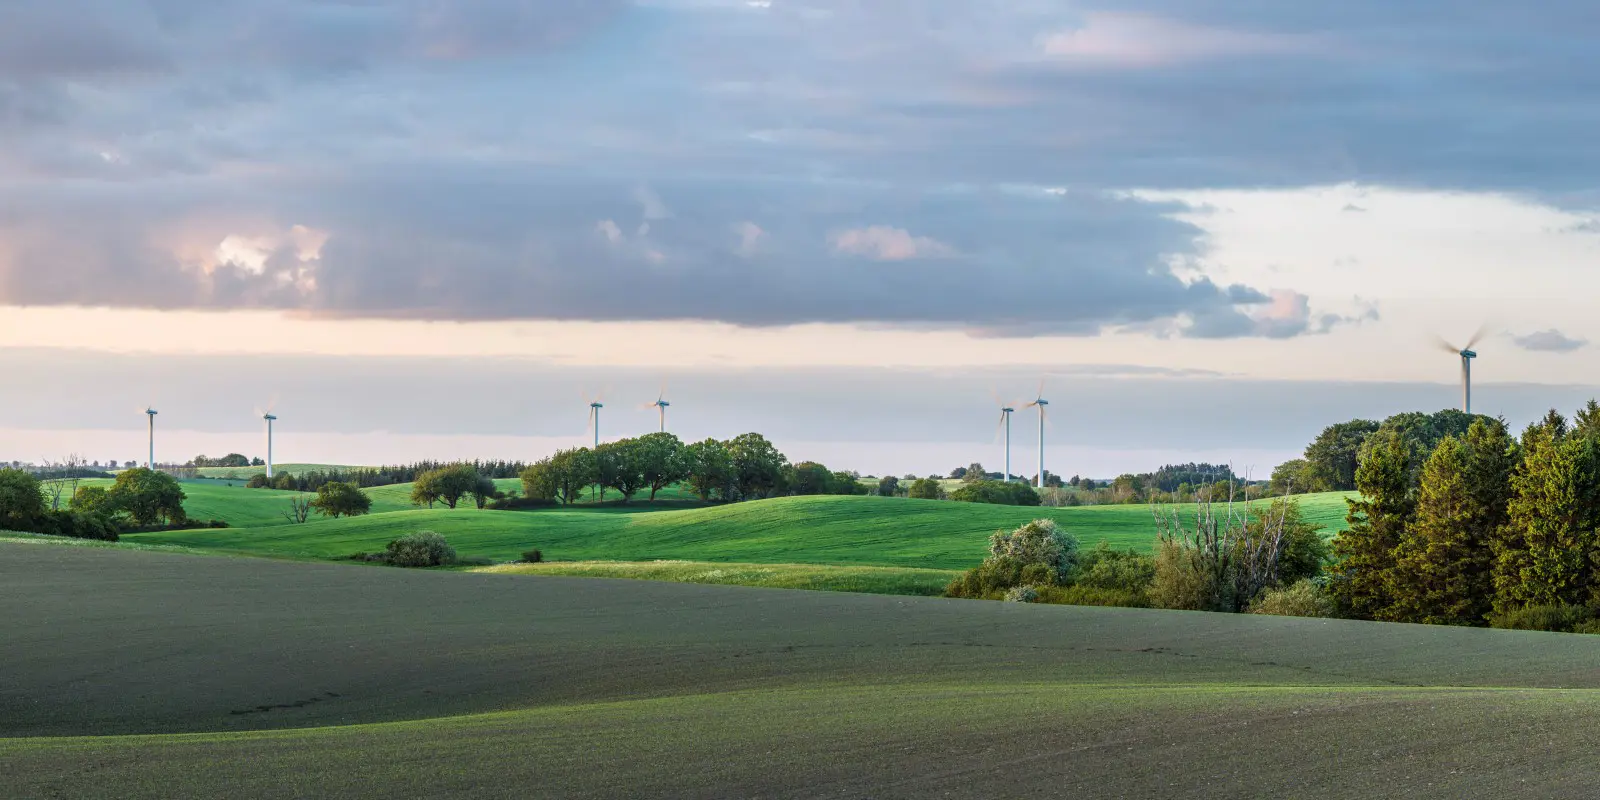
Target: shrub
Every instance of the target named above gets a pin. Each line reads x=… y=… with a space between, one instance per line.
x=925 y=489
x=21 y=501
x=1304 y=598
x=532 y=557
x=78 y=525
x=519 y=503
x=90 y=499
x=1589 y=626
x=1116 y=570
x=258 y=481
x=421 y=549
x=1039 y=542
x=1022 y=594
x=1558 y=618
x=1093 y=596
x=1184 y=581
x=284 y=481
x=1036 y=554
x=999 y=493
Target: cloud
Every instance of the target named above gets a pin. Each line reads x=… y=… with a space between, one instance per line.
x=1140 y=40
x=1550 y=341
x=840 y=130
x=426 y=245
x=883 y=243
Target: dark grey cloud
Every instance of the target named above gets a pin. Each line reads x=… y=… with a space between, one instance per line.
x=466 y=243
x=1550 y=341
x=824 y=160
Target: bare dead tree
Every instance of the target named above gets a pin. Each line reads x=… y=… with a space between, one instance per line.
x=299 y=508
x=1235 y=544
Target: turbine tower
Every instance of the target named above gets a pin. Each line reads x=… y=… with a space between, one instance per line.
x=1466 y=354
x=269 y=418
x=1039 y=402
x=594 y=420
x=151 y=413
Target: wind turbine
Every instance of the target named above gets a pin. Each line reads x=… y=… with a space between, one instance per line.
x=594 y=417
x=1006 y=411
x=269 y=418
x=660 y=405
x=151 y=413
x=1466 y=354
x=1039 y=402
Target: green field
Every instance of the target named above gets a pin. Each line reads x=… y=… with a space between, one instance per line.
x=872 y=531
x=143 y=674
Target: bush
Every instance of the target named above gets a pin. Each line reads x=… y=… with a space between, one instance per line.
x=1184 y=581
x=1022 y=594
x=1304 y=598
x=1039 y=542
x=1558 y=618
x=925 y=489
x=1590 y=626
x=258 y=481
x=1093 y=596
x=519 y=503
x=421 y=549
x=1116 y=570
x=90 y=499
x=78 y=525
x=21 y=501
x=532 y=557
x=1037 y=554
x=998 y=493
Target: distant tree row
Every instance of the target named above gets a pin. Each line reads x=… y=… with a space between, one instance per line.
x=229 y=460
x=747 y=467
x=139 y=498
x=369 y=477
x=1330 y=461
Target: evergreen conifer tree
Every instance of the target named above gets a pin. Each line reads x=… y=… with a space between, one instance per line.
x=1378 y=522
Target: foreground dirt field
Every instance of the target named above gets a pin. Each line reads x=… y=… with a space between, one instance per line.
x=138 y=674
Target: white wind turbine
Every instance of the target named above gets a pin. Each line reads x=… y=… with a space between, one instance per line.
x=269 y=419
x=660 y=405
x=1006 y=410
x=1040 y=403
x=151 y=413
x=595 y=405
x=1466 y=354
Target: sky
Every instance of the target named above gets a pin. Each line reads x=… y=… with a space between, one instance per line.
x=430 y=230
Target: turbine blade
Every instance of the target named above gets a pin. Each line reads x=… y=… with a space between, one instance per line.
x=1444 y=345
x=1482 y=329
x=1039 y=395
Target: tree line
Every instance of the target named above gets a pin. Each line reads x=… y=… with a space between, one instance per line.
x=139 y=499
x=371 y=477
x=1484 y=528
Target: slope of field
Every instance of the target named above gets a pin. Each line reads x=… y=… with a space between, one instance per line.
x=828 y=578
x=877 y=531
x=139 y=674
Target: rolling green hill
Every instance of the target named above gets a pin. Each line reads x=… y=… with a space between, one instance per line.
x=144 y=675
x=799 y=530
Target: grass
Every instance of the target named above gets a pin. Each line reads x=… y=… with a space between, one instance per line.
x=866 y=531
x=143 y=674
x=868 y=580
